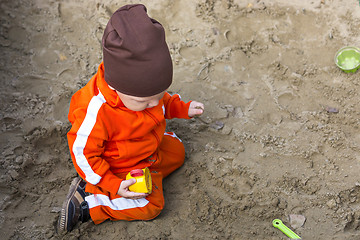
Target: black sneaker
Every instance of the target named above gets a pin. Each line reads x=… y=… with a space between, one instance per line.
x=75 y=208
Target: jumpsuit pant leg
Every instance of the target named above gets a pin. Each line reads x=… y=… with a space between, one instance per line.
x=104 y=205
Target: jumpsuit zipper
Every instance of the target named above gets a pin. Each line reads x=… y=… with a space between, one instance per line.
x=157 y=123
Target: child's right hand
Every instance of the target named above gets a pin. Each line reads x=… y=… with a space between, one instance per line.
x=126 y=193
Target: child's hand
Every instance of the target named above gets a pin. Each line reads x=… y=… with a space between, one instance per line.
x=124 y=190
x=195 y=109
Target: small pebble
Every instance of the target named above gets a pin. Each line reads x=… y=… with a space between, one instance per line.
x=217 y=125
x=331 y=203
x=13 y=174
x=296 y=221
x=332 y=110
x=55 y=210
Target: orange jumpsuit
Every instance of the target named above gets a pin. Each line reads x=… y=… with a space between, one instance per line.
x=107 y=140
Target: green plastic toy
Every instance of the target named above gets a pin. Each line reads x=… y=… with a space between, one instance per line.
x=348 y=59
x=279 y=224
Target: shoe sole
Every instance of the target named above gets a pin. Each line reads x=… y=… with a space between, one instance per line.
x=63 y=219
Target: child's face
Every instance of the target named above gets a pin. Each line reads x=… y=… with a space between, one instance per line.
x=140 y=103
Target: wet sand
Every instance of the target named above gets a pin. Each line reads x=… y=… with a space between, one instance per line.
x=280 y=134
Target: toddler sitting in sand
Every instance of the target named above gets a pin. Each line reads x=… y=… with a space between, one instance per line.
x=118 y=124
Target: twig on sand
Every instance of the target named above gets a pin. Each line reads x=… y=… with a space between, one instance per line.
x=206 y=66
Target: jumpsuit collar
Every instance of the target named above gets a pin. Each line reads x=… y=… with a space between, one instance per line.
x=110 y=95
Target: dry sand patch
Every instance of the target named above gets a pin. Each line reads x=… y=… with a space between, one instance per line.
x=266 y=147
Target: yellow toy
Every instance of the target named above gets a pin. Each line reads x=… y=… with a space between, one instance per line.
x=143 y=180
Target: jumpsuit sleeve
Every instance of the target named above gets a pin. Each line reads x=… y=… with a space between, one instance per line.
x=175 y=107
x=86 y=141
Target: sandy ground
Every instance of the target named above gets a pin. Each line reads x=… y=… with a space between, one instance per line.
x=280 y=134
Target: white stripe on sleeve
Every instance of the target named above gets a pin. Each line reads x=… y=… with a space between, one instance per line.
x=95 y=200
x=82 y=136
x=175 y=94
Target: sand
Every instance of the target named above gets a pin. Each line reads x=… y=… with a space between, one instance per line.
x=280 y=135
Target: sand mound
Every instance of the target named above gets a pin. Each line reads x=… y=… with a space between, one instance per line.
x=279 y=136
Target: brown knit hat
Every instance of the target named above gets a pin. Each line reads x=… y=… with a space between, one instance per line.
x=137 y=60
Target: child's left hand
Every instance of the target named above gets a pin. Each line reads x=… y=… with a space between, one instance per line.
x=195 y=109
